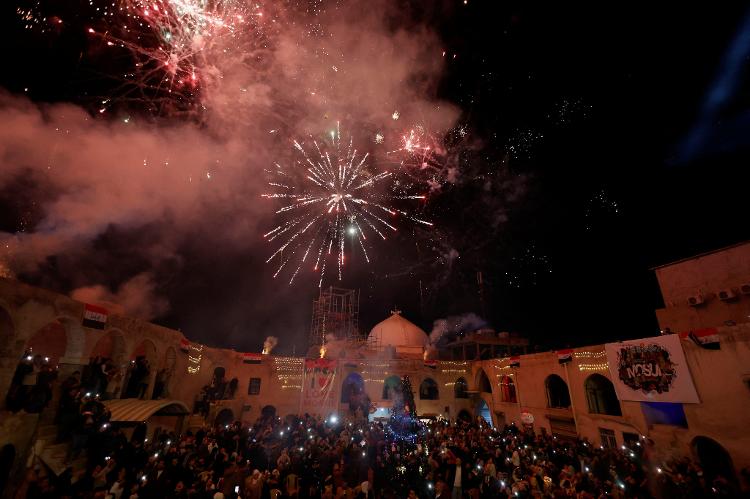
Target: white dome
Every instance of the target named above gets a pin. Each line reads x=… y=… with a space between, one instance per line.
x=400 y=333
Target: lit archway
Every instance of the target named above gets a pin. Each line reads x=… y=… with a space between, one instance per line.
x=50 y=342
x=558 y=395
x=483 y=410
x=508 y=390
x=141 y=370
x=391 y=387
x=601 y=396
x=428 y=390
x=460 y=388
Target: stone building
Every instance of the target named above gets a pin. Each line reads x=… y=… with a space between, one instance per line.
x=565 y=398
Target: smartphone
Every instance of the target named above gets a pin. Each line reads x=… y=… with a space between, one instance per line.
x=236 y=489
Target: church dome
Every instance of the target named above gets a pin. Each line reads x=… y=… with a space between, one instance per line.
x=400 y=333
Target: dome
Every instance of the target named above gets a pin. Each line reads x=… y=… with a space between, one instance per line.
x=405 y=336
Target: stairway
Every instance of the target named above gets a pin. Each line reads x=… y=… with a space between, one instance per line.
x=53 y=454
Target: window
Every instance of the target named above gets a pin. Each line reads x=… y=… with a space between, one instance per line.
x=459 y=389
x=483 y=383
x=428 y=390
x=601 y=396
x=557 y=392
x=508 y=390
x=391 y=387
x=254 y=387
x=608 y=438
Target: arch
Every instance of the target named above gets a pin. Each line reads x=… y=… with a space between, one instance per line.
x=713 y=458
x=141 y=370
x=111 y=345
x=268 y=411
x=601 y=396
x=224 y=417
x=164 y=376
x=76 y=338
x=460 y=387
x=391 y=386
x=170 y=359
x=7 y=460
x=483 y=382
x=558 y=395
x=51 y=342
x=508 y=389
x=428 y=390
x=352 y=386
x=464 y=415
x=129 y=410
x=483 y=410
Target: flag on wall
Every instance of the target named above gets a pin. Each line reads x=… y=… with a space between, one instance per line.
x=564 y=356
x=515 y=361
x=94 y=316
x=432 y=364
x=707 y=338
x=252 y=358
x=184 y=345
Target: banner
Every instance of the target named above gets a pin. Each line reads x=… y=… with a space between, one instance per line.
x=94 y=317
x=318 y=383
x=651 y=370
x=184 y=345
x=515 y=361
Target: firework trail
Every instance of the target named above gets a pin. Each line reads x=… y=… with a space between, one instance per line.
x=331 y=193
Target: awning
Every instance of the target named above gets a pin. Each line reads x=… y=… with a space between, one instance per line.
x=140 y=410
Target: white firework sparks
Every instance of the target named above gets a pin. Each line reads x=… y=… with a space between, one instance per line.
x=331 y=194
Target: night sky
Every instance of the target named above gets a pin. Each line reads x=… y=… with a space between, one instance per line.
x=599 y=142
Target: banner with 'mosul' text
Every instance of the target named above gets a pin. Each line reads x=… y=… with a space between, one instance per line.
x=651 y=370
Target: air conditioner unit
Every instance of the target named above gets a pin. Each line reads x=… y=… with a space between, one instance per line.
x=696 y=300
x=726 y=294
x=745 y=289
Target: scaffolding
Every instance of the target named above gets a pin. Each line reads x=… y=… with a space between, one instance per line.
x=336 y=314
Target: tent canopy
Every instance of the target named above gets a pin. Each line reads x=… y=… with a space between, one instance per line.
x=135 y=410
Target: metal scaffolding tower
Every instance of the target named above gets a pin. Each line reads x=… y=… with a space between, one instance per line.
x=335 y=313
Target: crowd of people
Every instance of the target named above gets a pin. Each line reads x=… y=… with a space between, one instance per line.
x=341 y=457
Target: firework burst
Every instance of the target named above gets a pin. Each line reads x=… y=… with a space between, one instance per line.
x=333 y=199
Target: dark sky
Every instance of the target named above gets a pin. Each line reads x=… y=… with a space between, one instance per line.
x=614 y=138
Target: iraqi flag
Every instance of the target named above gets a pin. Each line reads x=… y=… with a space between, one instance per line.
x=94 y=316
x=564 y=356
x=184 y=345
x=707 y=338
x=515 y=361
x=432 y=364
x=252 y=358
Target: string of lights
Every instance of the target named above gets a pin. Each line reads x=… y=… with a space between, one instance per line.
x=195 y=355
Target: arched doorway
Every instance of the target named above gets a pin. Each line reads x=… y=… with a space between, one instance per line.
x=483 y=410
x=558 y=395
x=713 y=458
x=483 y=382
x=110 y=346
x=140 y=371
x=391 y=387
x=460 y=387
x=50 y=343
x=464 y=415
x=164 y=376
x=268 y=412
x=508 y=390
x=224 y=417
x=428 y=390
x=601 y=396
x=7 y=459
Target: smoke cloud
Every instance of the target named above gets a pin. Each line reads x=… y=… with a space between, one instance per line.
x=455 y=324
x=270 y=344
x=124 y=207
